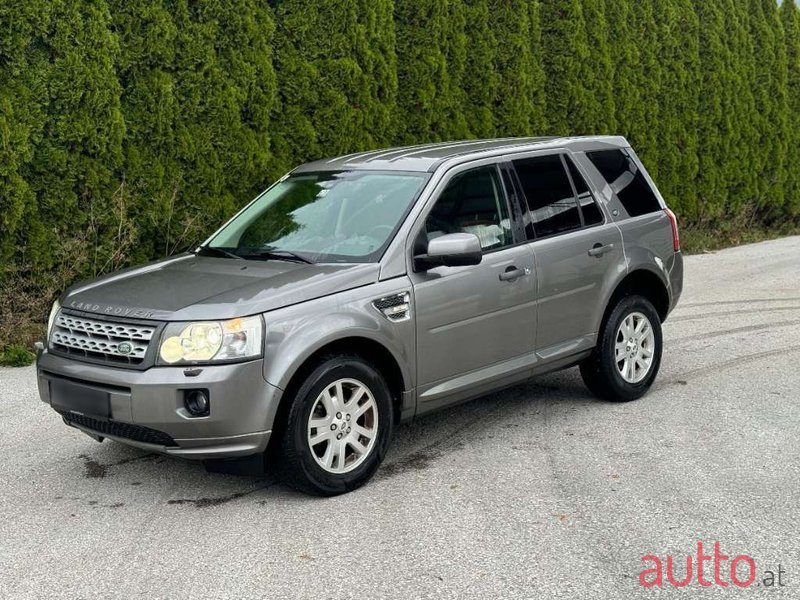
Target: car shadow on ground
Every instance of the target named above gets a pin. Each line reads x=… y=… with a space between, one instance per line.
x=415 y=447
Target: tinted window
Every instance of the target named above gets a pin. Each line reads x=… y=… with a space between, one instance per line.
x=551 y=203
x=627 y=181
x=473 y=202
x=589 y=208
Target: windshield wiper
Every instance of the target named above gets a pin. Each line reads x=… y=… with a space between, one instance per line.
x=217 y=252
x=286 y=255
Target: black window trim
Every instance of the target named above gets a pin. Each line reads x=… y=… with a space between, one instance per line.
x=516 y=213
x=568 y=157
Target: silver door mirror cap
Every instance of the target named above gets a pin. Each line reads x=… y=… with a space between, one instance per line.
x=451 y=250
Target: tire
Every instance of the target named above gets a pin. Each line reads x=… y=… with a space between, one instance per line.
x=603 y=371
x=309 y=458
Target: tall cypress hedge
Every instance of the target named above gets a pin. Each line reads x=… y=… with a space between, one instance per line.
x=648 y=80
x=518 y=104
x=425 y=103
x=565 y=54
x=790 y=19
x=677 y=28
x=629 y=107
x=378 y=60
x=599 y=69
x=739 y=105
x=152 y=172
x=716 y=123
x=129 y=128
x=481 y=79
x=770 y=119
x=74 y=166
x=24 y=63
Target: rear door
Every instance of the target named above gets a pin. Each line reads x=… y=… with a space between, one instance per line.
x=577 y=248
x=475 y=324
x=640 y=213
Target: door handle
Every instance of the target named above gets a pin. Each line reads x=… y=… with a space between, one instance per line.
x=600 y=249
x=513 y=273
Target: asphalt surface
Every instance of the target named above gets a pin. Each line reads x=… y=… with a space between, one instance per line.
x=537 y=492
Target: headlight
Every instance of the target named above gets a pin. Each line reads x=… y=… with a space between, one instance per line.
x=211 y=341
x=52 y=318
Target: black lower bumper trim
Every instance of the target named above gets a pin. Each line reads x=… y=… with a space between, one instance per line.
x=128 y=431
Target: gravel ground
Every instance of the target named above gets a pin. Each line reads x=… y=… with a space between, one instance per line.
x=536 y=492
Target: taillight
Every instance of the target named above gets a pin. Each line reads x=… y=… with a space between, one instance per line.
x=676 y=237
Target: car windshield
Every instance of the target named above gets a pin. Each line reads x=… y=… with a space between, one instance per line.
x=345 y=216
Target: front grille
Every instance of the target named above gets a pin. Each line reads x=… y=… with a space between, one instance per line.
x=122 y=430
x=108 y=341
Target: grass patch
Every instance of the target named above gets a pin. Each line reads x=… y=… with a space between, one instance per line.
x=17 y=338
x=15 y=355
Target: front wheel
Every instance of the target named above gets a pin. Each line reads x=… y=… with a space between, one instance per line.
x=338 y=428
x=626 y=360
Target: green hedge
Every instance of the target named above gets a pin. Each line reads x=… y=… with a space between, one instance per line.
x=129 y=128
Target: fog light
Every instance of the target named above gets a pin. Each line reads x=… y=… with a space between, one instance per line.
x=197 y=402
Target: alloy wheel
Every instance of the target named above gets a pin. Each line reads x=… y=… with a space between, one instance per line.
x=343 y=426
x=634 y=347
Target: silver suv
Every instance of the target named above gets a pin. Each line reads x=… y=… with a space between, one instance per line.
x=363 y=291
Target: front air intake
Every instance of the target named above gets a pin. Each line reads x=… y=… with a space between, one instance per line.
x=119 y=429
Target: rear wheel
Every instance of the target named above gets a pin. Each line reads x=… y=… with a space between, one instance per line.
x=338 y=427
x=626 y=360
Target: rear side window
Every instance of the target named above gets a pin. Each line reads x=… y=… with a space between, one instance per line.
x=627 y=180
x=551 y=203
x=591 y=212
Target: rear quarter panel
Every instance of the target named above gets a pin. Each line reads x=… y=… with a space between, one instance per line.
x=648 y=244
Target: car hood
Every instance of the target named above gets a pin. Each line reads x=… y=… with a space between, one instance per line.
x=190 y=287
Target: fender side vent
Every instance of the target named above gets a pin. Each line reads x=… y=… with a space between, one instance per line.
x=396 y=307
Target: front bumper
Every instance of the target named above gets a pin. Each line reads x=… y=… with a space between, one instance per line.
x=147 y=407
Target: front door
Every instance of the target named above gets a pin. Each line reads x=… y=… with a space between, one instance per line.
x=475 y=324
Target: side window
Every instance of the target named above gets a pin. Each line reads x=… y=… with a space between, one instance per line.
x=626 y=179
x=473 y=202
x=551 y=203
x=589 y=208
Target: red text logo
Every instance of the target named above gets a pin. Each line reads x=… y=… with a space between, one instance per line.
x=707 y=569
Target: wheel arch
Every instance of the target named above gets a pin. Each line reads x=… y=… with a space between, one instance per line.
x=644 y=282
x=366 y=348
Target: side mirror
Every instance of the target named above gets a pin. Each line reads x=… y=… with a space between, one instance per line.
x=451 y=250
